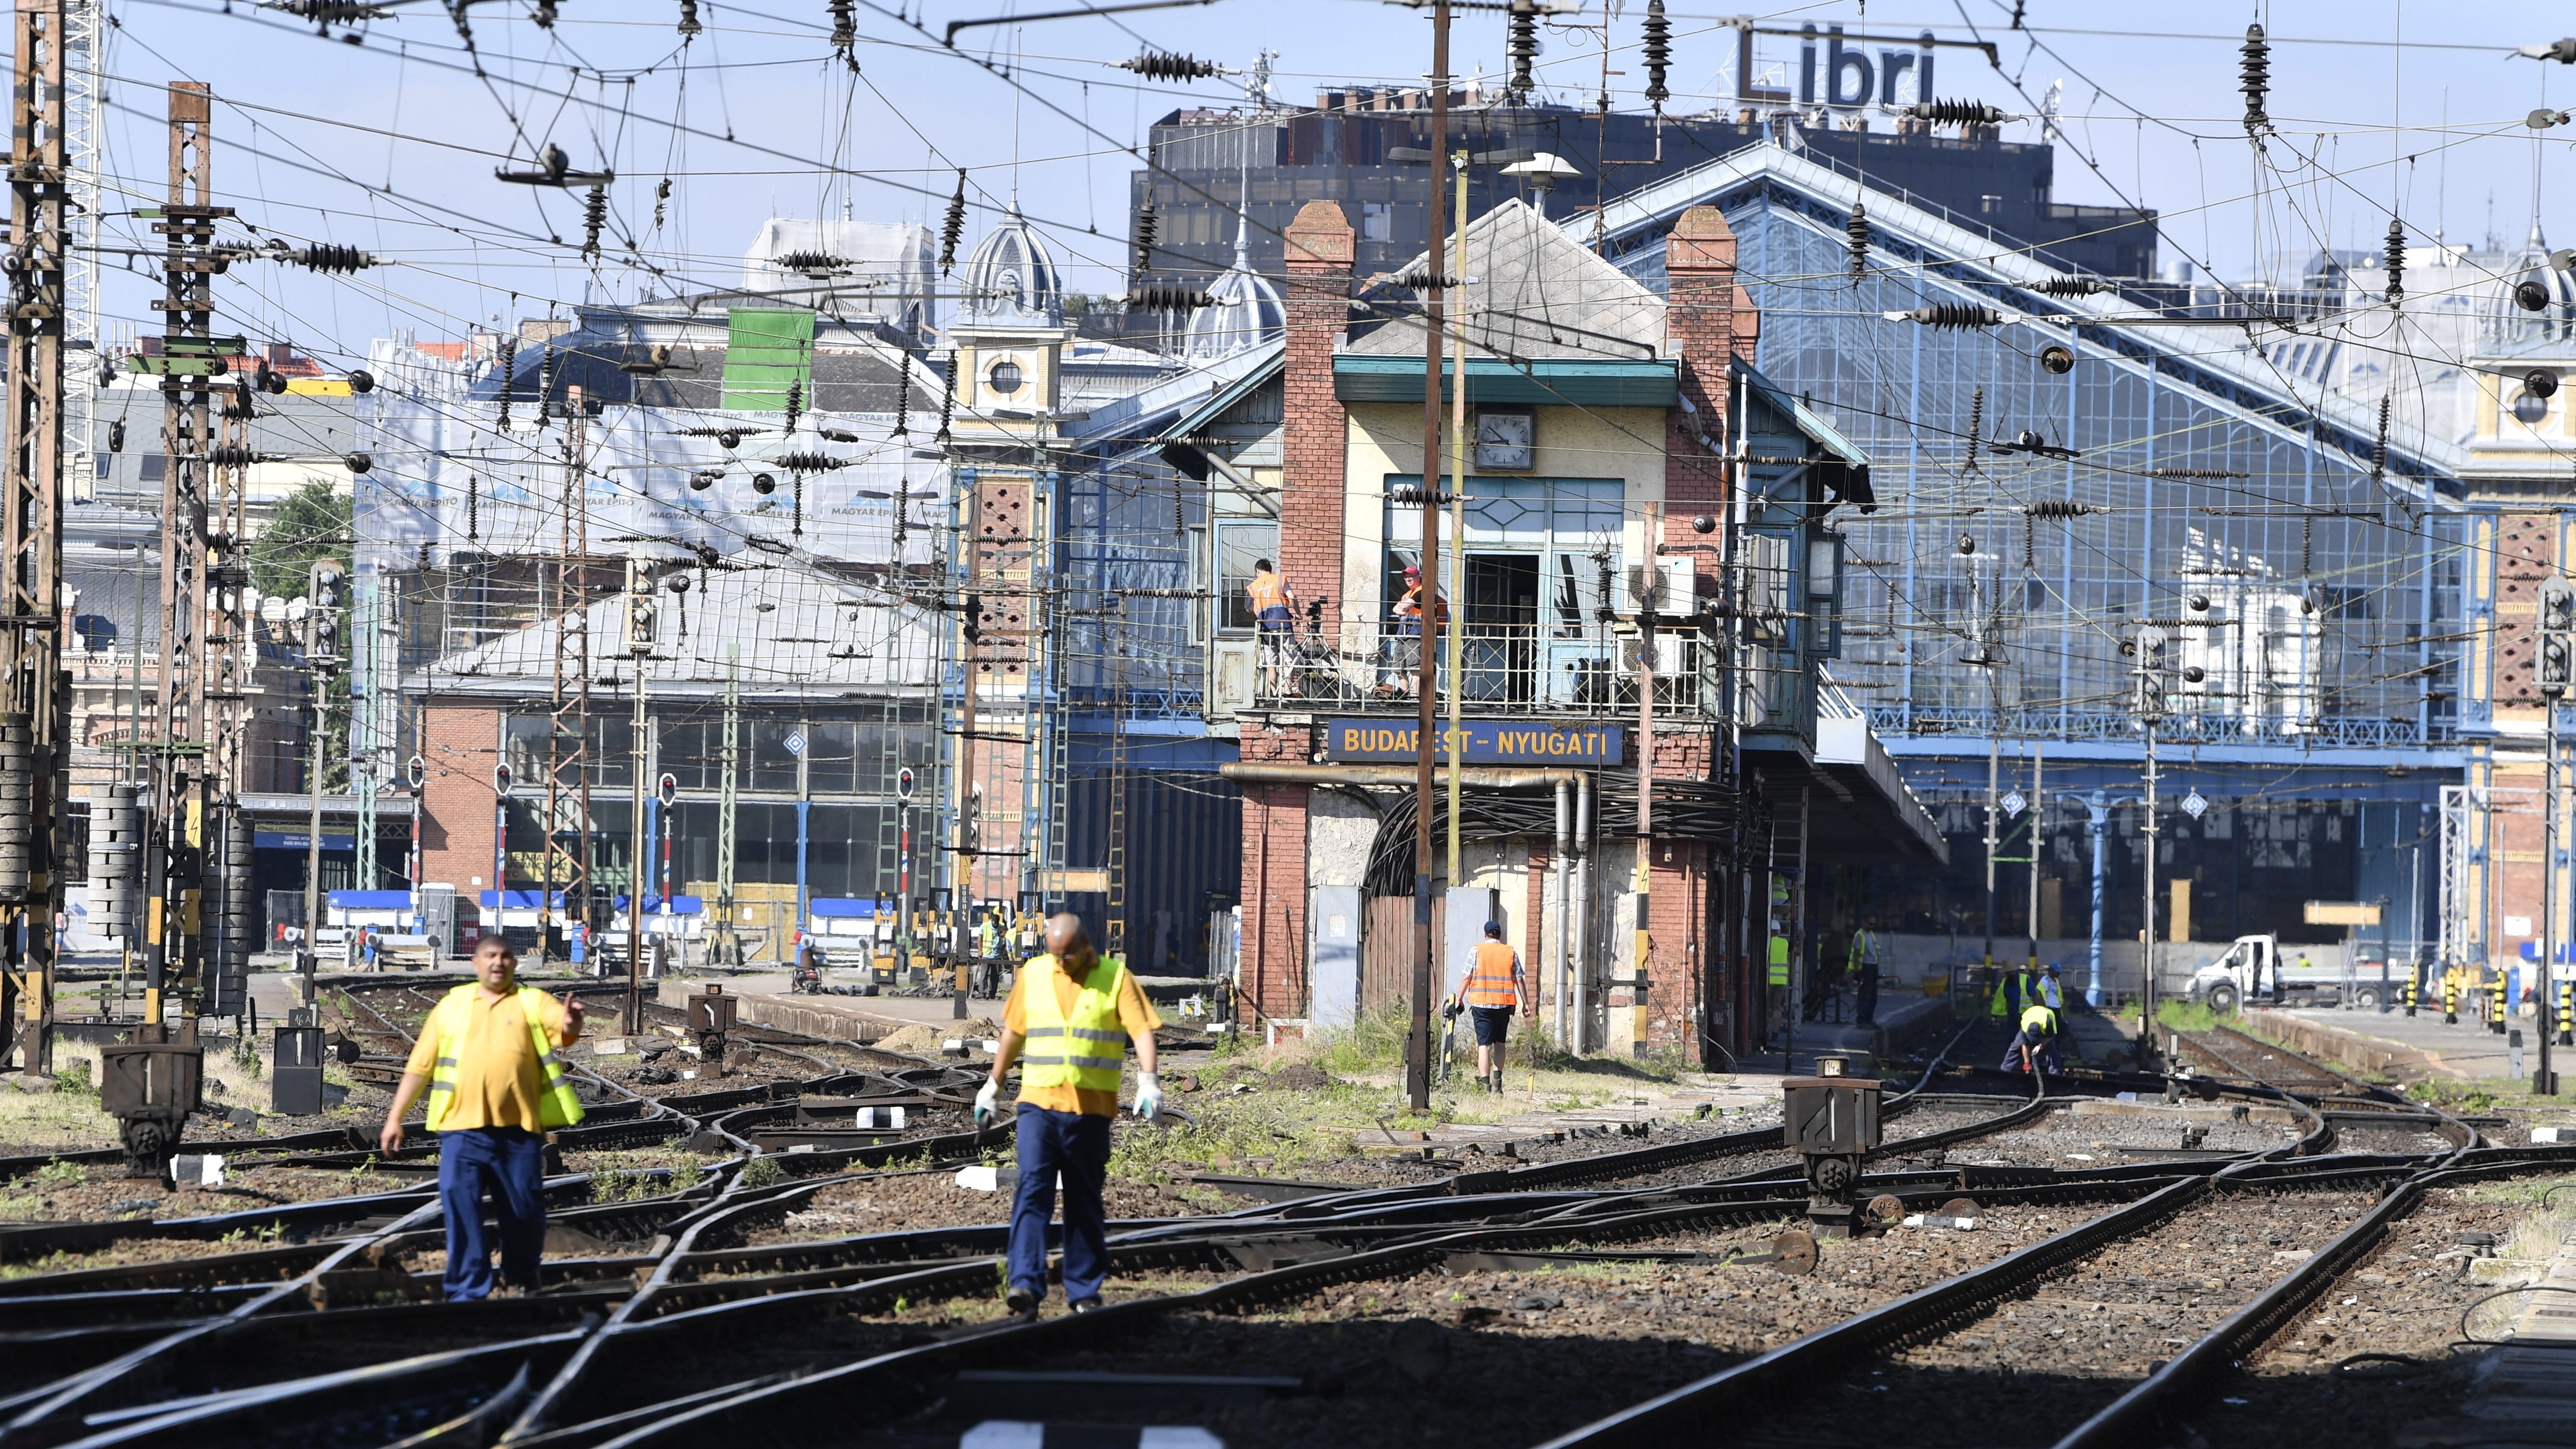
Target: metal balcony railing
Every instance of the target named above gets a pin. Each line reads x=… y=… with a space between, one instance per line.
x=2330 y=731
x=1364 y=666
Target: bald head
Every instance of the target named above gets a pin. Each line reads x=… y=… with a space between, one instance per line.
x=1067 y=941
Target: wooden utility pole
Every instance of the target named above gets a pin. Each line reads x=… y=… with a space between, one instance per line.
x=1418 y=1057
x=34 y=755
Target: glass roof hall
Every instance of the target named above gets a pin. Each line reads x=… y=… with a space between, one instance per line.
x=2032 y=517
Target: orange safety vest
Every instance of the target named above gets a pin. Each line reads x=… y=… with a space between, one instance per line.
x=1496 y=977
x=1266 y=591
x=1410 y=606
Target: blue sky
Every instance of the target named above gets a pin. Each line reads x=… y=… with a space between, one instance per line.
x=390 y=143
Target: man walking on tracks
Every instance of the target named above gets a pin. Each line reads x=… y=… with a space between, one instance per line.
x=1076 y=1013
x=1491 y=990
x=488 y=1055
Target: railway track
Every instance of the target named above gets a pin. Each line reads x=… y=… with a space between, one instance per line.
x=694 y=1310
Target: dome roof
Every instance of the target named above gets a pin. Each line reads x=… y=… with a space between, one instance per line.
x=2507 y=323
x=1244 y=311
x=1011 y=280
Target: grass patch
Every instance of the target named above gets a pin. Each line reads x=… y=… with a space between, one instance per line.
x=758 y=1173
x=2194 y=1016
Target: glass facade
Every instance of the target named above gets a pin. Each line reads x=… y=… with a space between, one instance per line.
x=2032 y=520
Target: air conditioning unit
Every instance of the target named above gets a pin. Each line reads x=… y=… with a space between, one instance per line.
x=1679 y=593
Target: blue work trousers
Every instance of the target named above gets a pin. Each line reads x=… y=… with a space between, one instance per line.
x=2043 y=1050
x=1076 y=1147
x=509 y=1163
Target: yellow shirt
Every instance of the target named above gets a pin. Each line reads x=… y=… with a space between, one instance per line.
x=498 y=1080
x=1135 y=1013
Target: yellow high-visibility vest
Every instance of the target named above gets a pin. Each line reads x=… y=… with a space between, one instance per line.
x=1084 y=1050
x=556 y=1105
x=2039 y=1018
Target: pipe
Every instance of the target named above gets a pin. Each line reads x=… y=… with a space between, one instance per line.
x=1486 y=777
x=1564 y=839
x=1581 y=957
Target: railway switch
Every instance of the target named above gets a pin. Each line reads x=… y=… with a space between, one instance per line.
x=711 y=1021
x=150 y=1087
x=1831 y=1121
x=295 y=1085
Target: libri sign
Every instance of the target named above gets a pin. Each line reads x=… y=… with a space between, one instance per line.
x=1477 y=742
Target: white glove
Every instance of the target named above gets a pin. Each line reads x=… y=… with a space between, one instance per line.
x=988 y=1102
x=1149 y=1096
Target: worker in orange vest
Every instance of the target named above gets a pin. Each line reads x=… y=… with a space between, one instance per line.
x=1491 y=990
x=1273 y=606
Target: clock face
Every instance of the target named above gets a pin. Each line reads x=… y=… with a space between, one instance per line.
x=1503 y=441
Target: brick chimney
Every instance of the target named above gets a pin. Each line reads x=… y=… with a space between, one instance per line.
x=1319 y=251
x=1708 y=322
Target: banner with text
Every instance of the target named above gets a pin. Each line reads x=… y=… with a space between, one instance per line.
x=1478 y=742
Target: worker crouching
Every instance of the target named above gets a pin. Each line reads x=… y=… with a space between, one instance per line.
x=488 y=1055
x=1069 y=1021
x=2034 y=1048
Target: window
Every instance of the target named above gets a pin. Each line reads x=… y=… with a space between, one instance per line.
x=1239 y=547
x=1006 y=377
x=1377 y=221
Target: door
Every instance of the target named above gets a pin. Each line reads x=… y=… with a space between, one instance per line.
x=1333 y=987
x=1500 y=643
x=1387 y=950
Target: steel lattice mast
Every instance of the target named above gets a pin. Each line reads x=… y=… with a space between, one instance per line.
x=34 y=755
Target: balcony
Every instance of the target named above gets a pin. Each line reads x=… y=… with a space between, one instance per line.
x=1367 y=667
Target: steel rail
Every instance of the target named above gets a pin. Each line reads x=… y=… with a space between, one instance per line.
x=817 y=1408
x=2146 y=1413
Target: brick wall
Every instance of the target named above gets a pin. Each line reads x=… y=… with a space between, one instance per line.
x=1316 y=428
x=2525 y=555
x=1677 y=906
x=1274 y=874
x=457 y=823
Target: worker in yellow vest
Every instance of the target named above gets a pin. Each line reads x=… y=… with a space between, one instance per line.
x=1490 y=992
x=1076 y=1013
x=488 y=1055
x=2034 y=1049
